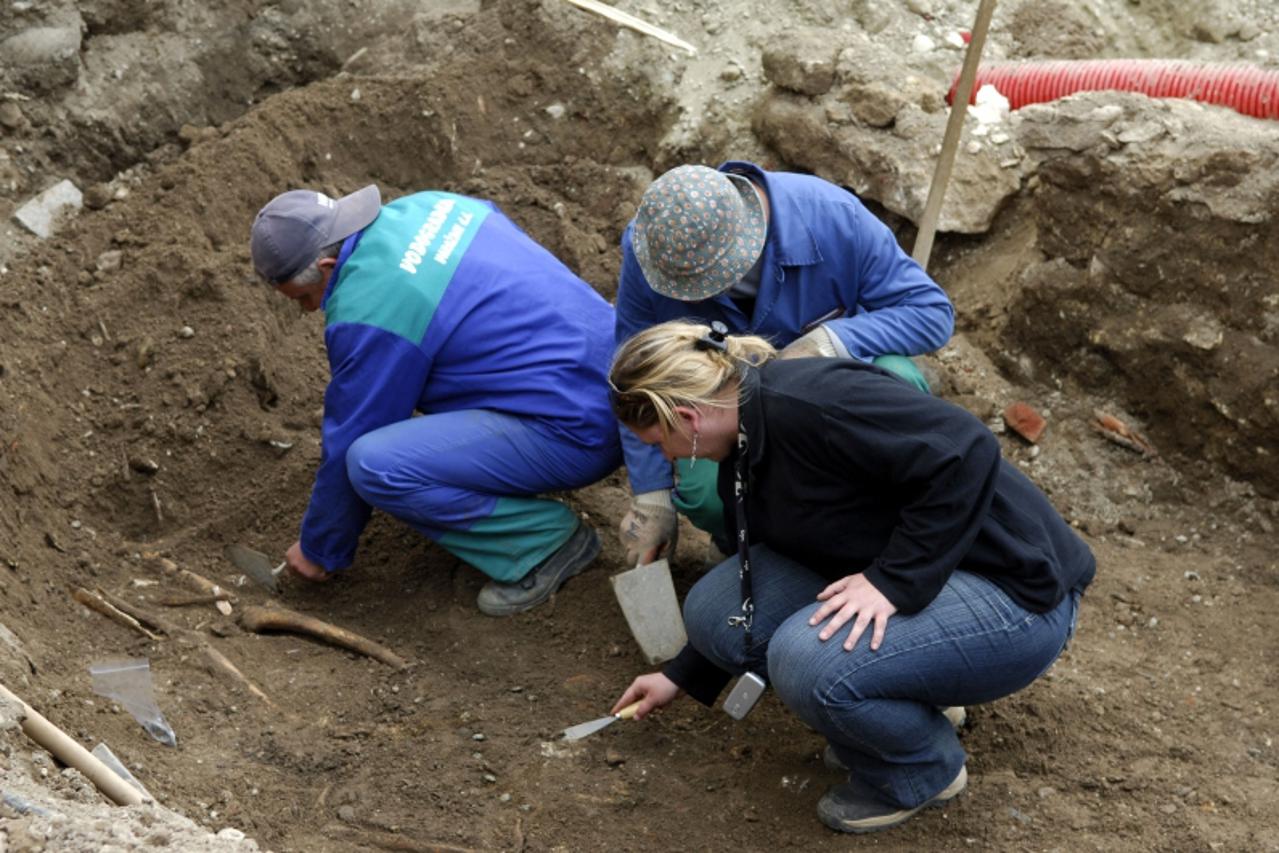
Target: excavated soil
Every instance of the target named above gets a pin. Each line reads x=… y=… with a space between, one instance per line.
x=157 y=402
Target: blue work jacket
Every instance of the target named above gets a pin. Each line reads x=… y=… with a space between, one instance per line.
x=444 y=304
x=827 y=261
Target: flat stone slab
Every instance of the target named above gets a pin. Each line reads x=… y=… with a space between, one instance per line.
x=40 y=215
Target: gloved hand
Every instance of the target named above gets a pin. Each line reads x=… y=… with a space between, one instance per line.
x=815 y=344
x=649 y=528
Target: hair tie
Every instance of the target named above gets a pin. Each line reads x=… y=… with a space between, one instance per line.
x=714 y=339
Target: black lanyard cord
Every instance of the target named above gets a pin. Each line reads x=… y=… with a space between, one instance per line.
x=747 y=615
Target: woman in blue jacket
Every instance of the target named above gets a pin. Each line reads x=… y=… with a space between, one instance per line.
x=890 y=563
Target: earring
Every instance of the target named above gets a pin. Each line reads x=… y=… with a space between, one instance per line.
x=693 y=459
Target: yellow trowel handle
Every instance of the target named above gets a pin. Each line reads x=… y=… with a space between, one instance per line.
x=629 y=711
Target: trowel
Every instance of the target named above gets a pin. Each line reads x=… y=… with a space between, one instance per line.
x=581 y=730
x=256 y=565
x=647 y=596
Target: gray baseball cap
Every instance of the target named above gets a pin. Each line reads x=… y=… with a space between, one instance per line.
x=290 y=231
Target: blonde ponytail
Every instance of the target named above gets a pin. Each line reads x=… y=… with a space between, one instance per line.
x=664 y=366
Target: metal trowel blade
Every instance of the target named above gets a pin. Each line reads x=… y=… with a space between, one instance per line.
x=581 y=730
x=255 y=564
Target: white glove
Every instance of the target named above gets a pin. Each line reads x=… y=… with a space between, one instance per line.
x=816 y=344
x=649 y=528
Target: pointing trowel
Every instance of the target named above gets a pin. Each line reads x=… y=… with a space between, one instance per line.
x=256 y=565
x=581 y=730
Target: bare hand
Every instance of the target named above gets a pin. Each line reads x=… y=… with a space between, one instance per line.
x=654 y=690
x=302 y=567
x=855 y=598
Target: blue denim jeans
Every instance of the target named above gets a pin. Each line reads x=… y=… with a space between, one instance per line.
x=879 y=710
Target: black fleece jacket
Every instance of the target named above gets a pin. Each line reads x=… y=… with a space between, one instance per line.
x=851 y=470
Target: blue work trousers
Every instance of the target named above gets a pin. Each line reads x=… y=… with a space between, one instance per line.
x=879 y=710
x=468 y=480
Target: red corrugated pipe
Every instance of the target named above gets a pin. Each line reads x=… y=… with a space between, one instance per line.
x=1241 y=86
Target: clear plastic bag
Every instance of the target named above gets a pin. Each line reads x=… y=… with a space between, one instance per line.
x=128 y=682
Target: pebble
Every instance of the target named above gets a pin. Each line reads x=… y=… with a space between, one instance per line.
x=478 y=736
x=230 y=833
x=504 y=798
x=556 y=111
x=922 y=44
x=613 y=758
x=346 y=813
x=1046 y=791
x=186 y=332
x=490 y=778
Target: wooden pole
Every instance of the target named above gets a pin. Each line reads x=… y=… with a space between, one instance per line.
x=74 y=755
x=950 y=141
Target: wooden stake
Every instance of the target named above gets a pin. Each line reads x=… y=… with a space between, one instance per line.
x=222 y=665
x=94 y=602
x=262 y=619
x=74 y=755
x=634 y=23
x=950 y=141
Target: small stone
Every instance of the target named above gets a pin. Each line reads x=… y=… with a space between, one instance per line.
x=11 y=115
x=613 y=758
x=490 y=779
x=1046 y=791
x=556 y=111
x=97 y=196
x=731 y=72
x=346 y=813
x=973 y=147
x=355 y=94
x=504 y=798
x=231 y=834
x=186 y=332
x=110 y=261
x=922 y=44
x=478 y=736
x=1168 y=808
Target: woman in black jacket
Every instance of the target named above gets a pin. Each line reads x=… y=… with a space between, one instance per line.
x=891 y=564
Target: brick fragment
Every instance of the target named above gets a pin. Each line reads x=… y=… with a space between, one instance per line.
x=1024 y=421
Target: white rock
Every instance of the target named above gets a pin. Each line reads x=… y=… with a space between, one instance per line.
x=556 y=111
x=923 y=44
x=989 y=107
x=955 y=40
x=40 y=214
x=230 y=833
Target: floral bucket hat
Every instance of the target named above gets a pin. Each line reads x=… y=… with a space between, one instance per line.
x=698 y=231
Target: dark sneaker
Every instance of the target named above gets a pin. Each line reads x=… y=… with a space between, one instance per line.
x=956 y=714
x=505 y=599
x=853 y=807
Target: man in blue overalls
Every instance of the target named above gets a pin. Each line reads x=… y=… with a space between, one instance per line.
x=789 y=257
x=438 y=304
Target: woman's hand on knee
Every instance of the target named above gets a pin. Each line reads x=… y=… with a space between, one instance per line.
x=652 y=691
x=853 y=598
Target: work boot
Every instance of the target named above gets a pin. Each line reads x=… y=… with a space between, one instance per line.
x=854 y=807
x=955 y=714
x=506 y=599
